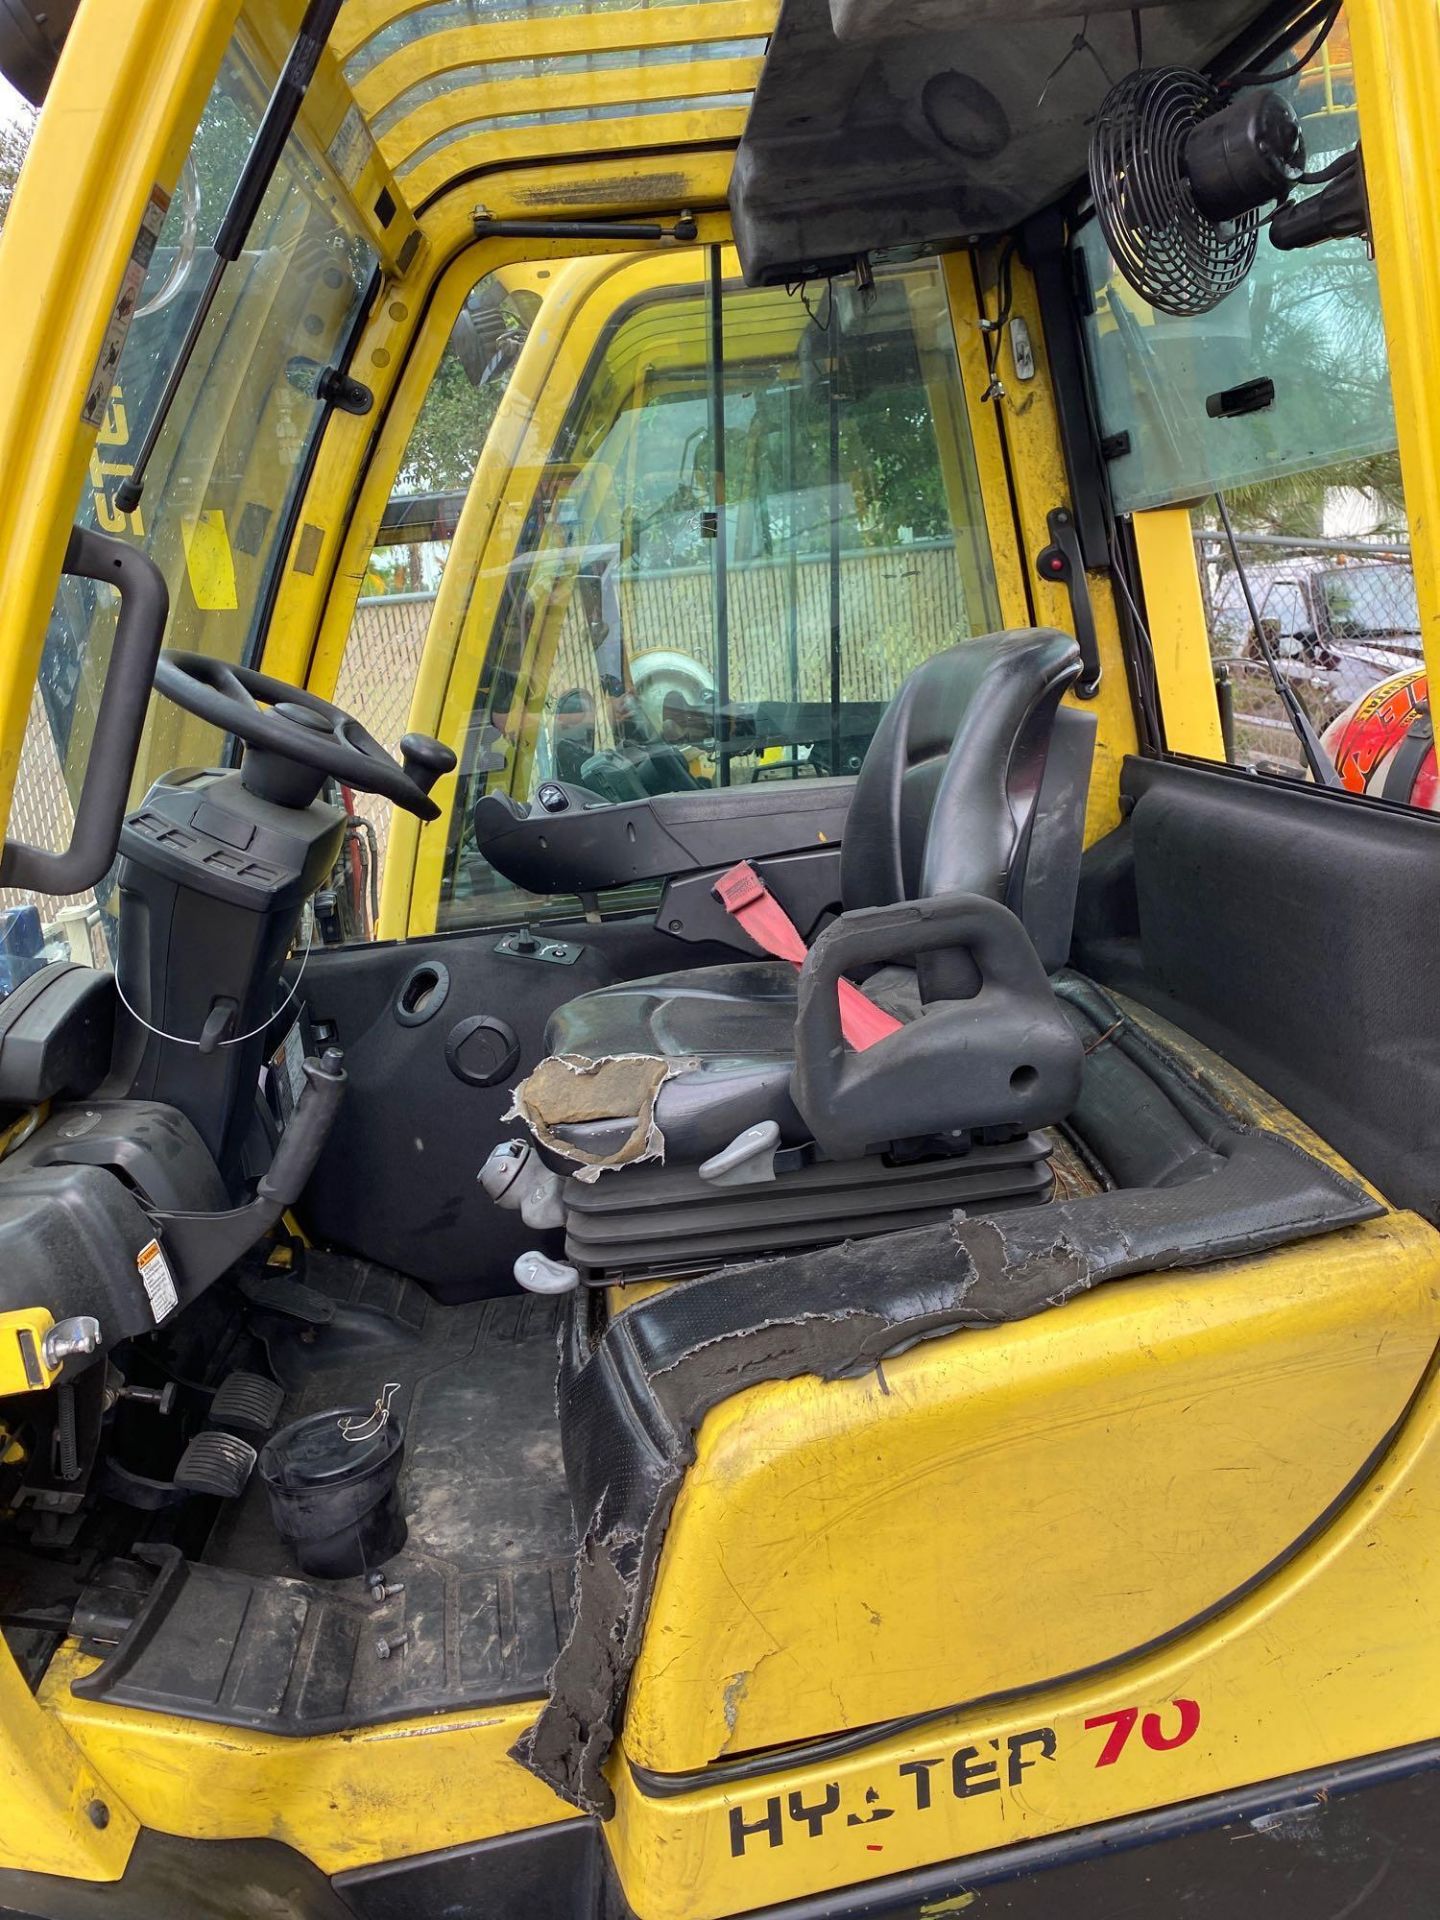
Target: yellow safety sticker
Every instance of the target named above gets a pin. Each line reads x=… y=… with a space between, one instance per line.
x=209 y=562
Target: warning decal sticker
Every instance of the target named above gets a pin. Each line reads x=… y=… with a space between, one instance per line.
x=158 y=1281
x=113 y=345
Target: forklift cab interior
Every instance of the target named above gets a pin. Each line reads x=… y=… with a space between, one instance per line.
x=709 y=823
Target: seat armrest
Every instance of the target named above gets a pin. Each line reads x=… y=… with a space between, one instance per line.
x=1006 y=1057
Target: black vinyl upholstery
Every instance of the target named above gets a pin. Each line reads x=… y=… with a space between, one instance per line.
x=736 y=1023
x=944 y=799
x=944 y=804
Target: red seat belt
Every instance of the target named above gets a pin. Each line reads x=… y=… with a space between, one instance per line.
x=749 y=902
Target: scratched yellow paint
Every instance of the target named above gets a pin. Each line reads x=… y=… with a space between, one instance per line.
x=57 y=1815
x=342 y=1799
x=1335 y=1657
x=1001 y=1506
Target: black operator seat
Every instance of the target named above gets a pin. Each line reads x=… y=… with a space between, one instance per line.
x=933 y=878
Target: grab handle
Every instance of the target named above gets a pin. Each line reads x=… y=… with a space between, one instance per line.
x=139 y=630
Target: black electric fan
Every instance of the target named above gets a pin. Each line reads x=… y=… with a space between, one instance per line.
x=1179 y=172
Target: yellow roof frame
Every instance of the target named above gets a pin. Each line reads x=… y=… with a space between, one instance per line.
x=640 y=30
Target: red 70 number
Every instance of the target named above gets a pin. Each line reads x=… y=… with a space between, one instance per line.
x=1152 y=1730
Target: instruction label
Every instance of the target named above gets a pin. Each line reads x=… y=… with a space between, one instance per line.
x=128 y=298
x=287 y=1066
x=157 y=1280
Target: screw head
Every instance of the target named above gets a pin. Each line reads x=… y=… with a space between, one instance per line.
x=98 y=1814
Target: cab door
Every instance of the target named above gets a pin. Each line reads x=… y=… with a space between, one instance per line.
x=654 y=536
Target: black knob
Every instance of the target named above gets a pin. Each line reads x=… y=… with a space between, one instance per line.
x=426 y=760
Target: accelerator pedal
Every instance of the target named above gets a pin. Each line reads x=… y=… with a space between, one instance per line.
x=278 y=1293
x=247 y=1403
x=216 y=1463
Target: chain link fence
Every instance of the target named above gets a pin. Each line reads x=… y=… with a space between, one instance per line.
x=1339 y=616
x=909 y=602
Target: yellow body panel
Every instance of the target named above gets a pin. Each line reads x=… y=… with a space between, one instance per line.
x=1179 y=635
x=344 y=1799
x=1335 y=1656
x=1396 y=49
x=998 y=1508
x=56 y=1814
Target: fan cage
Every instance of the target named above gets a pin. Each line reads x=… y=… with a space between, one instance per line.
x=1175 y=257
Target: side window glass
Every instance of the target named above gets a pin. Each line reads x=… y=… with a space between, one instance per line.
x=636 y=603
x=1311 y=482
x=386 y=644
x=233 y=450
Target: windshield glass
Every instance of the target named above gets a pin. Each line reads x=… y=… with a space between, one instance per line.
x=656 y=532
x=219 y=485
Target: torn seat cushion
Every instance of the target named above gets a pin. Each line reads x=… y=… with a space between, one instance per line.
x=728 y=1034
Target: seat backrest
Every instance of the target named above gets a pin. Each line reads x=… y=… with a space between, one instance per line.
x=946 y=795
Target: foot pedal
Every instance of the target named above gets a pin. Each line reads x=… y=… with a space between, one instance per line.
x=216 y=1463
x=278 y=1293
x=247 y=1403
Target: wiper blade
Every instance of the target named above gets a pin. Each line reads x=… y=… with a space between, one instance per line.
x=1316 y=759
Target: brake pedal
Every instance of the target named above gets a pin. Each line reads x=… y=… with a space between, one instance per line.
x=247 y=1403
x=216 y=1463
x=278 y=1293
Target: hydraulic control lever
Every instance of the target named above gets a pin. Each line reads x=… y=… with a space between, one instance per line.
x=203 y=1245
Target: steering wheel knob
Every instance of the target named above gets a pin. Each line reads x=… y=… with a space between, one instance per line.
x=426 y=760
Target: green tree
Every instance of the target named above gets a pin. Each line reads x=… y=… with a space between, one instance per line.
x=14 y=145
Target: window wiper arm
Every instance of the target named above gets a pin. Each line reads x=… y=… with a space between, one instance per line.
x=1315 y=757
x=276 y=125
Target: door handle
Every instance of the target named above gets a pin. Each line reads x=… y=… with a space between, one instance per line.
x=1062 y=565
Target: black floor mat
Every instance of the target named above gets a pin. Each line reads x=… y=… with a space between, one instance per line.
x=243 y=1638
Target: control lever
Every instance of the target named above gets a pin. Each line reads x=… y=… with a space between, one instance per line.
x=1063 y=565
x=284 y=1180
x=426 y=760
x=203 y=1245
x=218 y=1022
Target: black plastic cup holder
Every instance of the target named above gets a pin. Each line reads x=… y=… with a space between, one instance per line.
x=422 y=993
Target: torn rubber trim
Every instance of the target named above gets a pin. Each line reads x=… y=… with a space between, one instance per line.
x=1194 y=1182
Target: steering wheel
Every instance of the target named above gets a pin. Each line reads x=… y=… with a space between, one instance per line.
x=294 y=739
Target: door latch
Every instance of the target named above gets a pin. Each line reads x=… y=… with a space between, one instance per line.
x=1062 y=565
